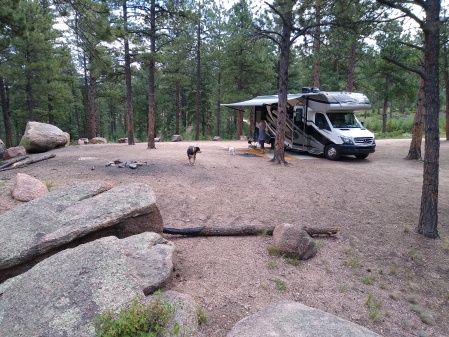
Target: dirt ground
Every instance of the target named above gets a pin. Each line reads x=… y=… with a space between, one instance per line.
x=377 y=272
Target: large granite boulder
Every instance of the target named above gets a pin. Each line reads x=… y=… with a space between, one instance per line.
x=42 y=137
x=294 y=319
x=72 y=215
x=62 y=295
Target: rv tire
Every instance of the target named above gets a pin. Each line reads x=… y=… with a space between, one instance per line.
x=361 y=156
x=331 y=152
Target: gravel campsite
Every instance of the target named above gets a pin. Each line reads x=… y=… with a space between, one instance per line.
x=377 y=272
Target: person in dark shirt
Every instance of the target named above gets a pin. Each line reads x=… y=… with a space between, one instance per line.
x=262 y=135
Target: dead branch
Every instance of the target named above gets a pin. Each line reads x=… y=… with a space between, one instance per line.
x=12 y=161
x=28 y=162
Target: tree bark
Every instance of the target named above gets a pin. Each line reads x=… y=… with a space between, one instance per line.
x=415 y=145
x=428 y=219
x=384 y=114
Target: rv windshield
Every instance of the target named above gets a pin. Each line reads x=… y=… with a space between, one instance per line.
x=343 y=120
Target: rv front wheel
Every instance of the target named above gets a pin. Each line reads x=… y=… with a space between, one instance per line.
x=331 y=152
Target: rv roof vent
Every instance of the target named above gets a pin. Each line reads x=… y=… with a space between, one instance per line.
x=306 y=90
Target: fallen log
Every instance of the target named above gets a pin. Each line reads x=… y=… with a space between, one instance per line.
x=13 y=161
x=243 y=230
x=28 y=162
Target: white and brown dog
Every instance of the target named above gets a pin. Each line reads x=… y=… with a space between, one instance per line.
x=191 y=153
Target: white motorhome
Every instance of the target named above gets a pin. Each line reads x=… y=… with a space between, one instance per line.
x=318 y=122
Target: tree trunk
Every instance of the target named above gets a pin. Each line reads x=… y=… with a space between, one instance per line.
x=279 y=155
x=351 y=65
x=177 y=106
x=415 y=145
x=428 y=219
x=151 y=70
x=217 y=122
x=92 y=123
x=446 y=87
x=5 y=113
x=384 y=115
x=239 y=128
x=316 y=46
x=29 y=95
x=129 y=91
x=198 y=78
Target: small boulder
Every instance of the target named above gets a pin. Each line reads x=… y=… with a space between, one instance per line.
x=98 y=140
x=28 y=188
x=176 y=138
x=185 y=312
x=83 y=141
x=243 y=138
x=42 y=137
x=13 y=152
x=217 y=138
x=294 y=241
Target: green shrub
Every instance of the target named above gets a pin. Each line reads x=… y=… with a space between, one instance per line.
x=138 y=319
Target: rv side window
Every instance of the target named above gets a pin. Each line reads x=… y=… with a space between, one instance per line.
x=321 y=122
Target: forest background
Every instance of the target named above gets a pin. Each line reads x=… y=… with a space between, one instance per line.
x=115 y=68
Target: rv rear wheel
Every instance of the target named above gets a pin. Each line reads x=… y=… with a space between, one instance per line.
x=361 y=156
x=331 y=152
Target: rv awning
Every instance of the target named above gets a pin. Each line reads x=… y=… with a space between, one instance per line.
x=261 y=100
x=321 y=101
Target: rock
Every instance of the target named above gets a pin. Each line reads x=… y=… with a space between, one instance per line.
x=28 y=188
x=176 y=138
x=42 y=137
x=13 y=152
x=83 y=141
x=67 y=136
x=98 y=140
x=2 y=148
x=294 y=319
x=243 y=138
x=217 y=138
x=62 y=295
x=157 y=140
x=72 y=215
x=294 y=241
x=185 y=312
x=125 y=140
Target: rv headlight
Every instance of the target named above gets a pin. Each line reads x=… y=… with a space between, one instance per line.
x=347 y=140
